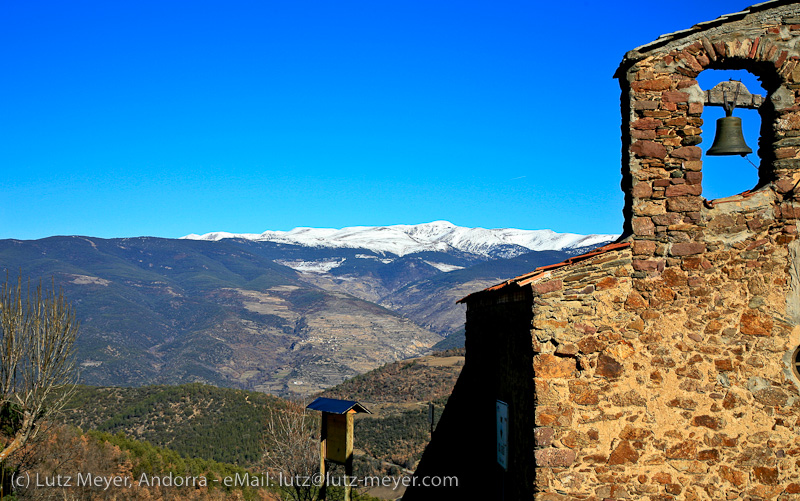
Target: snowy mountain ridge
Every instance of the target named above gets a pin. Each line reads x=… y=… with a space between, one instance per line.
x=437 y=236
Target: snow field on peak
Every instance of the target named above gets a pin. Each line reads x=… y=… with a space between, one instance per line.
x=437 y=236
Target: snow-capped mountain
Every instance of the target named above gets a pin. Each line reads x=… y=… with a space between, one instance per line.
x=441 y=236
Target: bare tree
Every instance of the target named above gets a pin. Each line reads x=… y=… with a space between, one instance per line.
x=37 y=360
x=291 y=450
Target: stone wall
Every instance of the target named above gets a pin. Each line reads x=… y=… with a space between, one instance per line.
x=680 y=387
x=662 y=369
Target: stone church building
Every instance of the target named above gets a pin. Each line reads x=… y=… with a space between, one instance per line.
x=663 y=366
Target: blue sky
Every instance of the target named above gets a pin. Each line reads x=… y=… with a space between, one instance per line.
x=165 y=118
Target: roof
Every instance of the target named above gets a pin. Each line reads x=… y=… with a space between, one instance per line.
x=662 y=40
x=527 y=278
x=336 y=406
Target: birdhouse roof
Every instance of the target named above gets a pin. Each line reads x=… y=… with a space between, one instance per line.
x=336 y=406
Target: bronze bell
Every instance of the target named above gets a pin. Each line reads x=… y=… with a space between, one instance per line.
x=729 y=139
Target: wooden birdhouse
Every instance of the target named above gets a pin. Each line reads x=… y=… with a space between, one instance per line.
x=336 y=436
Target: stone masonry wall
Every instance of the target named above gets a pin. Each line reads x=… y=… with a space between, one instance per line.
x=666 y=377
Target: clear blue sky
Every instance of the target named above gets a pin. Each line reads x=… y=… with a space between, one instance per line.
x=163 y=118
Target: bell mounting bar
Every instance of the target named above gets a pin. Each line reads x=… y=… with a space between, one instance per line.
x=744 y=99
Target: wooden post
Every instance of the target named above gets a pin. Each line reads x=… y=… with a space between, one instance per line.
x=323 y=436
x=348 y=463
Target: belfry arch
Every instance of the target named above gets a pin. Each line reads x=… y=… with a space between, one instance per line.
x=661 y=101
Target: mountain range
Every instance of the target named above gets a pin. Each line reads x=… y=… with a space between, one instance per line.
x=437 y=236
x=283 y=314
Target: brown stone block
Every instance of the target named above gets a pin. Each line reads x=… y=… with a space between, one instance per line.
x=668 y=219
x=710 y=422
x=662 y=83
x=658 y=114
x=648 y=123
x=674 y=489
x=642 y=189
x=695 y=108
x=557 y=415
x=649 y=149
x=730 y=401
x=693 y=165
x=551 y=324
x=550 y=366
x=594 y=459
x=690 y=372
x=645 y=105
x=548 y=286
x=683 y=189
x=674 y=277
x=764 y=475
x=792 y=488
x=719 y=48
x=684 y=204
x=755 y=324
x=683 y=450
x=687 y=153
x=650 y=315
x=551 y=457
x=612 y=491
x=691 y=61
x=643 y=134
x=648 y=265
x=708 y=455
x=606 y=283
x=636 y=325
x=543 y=436
x=781 y=59
x=677 y=122
x=785 y=185
x=624 y=453
x=771 y=396
x=662 y=478
x=608 y=367
x=688 y=72
x=656 y=377
x=665 y=362
x=583 y=393
x=567 y=349
x=771 y=54
x=665 y=294
x=590 y=345
x=683 y=403
x=691 y=141
x=643 y=226
x=635 y=301
x=735 y=477
x=724 y=364
x=687 y=248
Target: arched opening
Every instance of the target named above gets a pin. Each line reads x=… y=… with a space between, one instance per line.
x=724 y=176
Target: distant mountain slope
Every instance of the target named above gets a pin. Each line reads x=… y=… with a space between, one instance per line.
x=172 y=311
x=438 y=236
